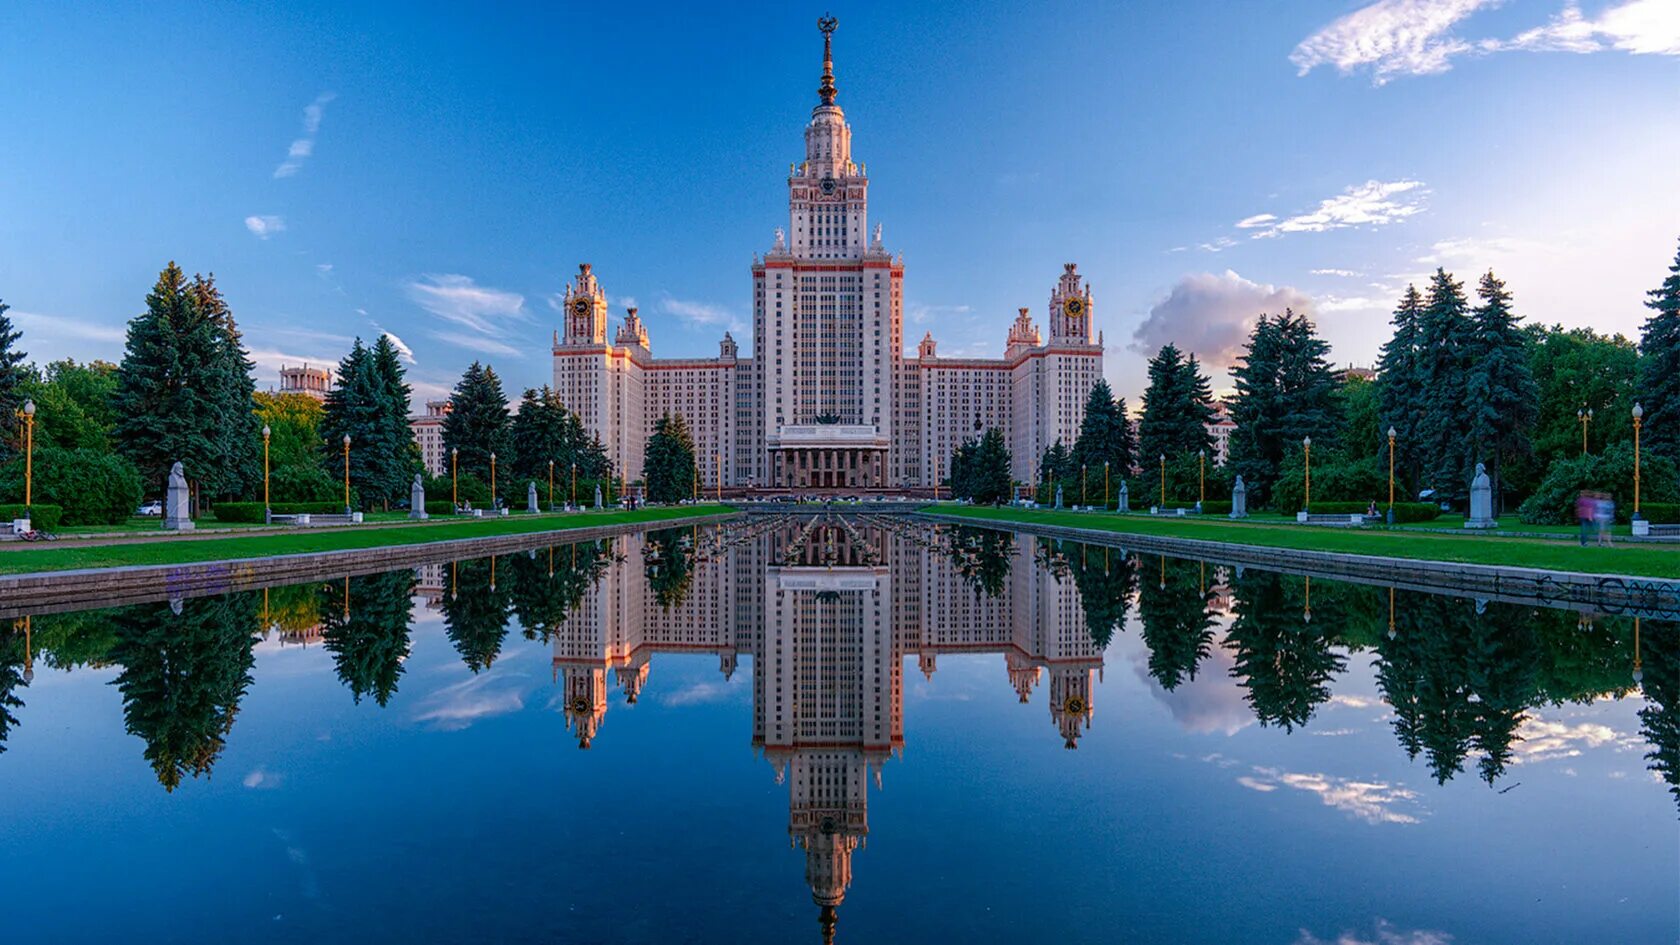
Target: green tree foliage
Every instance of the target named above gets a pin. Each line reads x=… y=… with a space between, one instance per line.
x=229 y=387
x=1400 y=385
x=1177 y=619
x=1105 y=433
x=668 y=467
x=1177 y=408
x=1500 y=393
x=12 y=377
x=297 y=472
x=15 y=674
x=1443 y=428
x=980 y=470
x=171 y=387
x=549 y=584
x=364 y=625
x=1364 y=435
x=476 y=610
x=1285 y=393
x=1659 y=367
x=93 y=487
x=186 y=665
x=477 y=424
x=543 y=430
x=666 y=560
x=73 y=405
x=982 y=558
x=1576 y=369
x=1659 y=718
x=1057 y=467
x=1282 y=643
x=1553 y=501
x=370 y=405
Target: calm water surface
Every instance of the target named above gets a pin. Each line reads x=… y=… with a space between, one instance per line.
x=860 y=729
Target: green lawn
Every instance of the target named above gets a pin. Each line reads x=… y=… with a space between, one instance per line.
x=1647 y=560
x=19 y=558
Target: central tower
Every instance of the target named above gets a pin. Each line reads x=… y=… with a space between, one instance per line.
x=827 y=319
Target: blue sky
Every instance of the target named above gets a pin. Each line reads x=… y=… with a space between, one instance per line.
x=438 y=172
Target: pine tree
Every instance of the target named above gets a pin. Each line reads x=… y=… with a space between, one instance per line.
x=668 y=469
x=1443 y=427
x=1105 y=434
x=477 y=424
x=238 y=434
x=170 y=398
x=541 y=433
x=353 y=408
x=12 y=376
x=1502 y=399
x=1177 y=408
x=1659 y=368
x=1057 y=467
x=395 y=435
x=1399 y=382
x=1256 y=446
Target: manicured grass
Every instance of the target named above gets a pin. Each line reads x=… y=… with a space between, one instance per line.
x=21 y=559
x=1646 y=560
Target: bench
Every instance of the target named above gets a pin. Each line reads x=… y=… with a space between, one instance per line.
x=1644 y=529
x=1177 y=513
x=1342 y=519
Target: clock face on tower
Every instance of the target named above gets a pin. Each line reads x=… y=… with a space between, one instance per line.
x=580 y=305
x=1074 y=307
x=827 y=186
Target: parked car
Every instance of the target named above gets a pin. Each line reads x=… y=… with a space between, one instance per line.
x=150 y=509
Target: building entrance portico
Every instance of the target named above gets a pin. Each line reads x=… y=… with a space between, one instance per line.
x=828 y=456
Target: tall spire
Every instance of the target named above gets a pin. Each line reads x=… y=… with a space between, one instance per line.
x=827 y=91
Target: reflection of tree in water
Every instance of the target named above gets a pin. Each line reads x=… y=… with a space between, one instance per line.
x=367 y=632
x=183 y=676
x=1104 y=576
x=982 y=556
x=14 y=675
x=1659 y=720
x=476 y=610
x=1177 y=621
x=550 y=583
x=1282 y=643
x=665 y=554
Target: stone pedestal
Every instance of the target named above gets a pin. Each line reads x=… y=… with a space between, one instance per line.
x=417 y=498
x=176 y=500
x=1125 y=498
x=1239 y=499
x=1481 y=501
x=598 y=501
x=531 y=498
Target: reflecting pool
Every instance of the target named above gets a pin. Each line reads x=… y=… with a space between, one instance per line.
x=839 y=728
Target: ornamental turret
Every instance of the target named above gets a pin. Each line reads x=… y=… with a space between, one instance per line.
x=585 y=307
x=1071 y=308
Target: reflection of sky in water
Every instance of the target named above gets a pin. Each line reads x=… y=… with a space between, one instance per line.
x=463 y=810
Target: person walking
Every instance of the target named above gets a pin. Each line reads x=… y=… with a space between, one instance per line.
x=1584 y=513
x=1605 y=513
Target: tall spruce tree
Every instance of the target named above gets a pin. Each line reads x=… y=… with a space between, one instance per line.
x=11 y=379
x=1400 y=388
x=1443 y=426
x=1659 y=368
x=353 y=409
x=1502 y=399
x=1177 y=408
x=668 y=469
x=238 y=434
x=477 y=424
x=396 y=436
x=1105 y=434
x=540 y=435
x=171 y=395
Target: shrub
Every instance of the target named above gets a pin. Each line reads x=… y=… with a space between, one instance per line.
x=1660 y=513
x=44 y=518
x=1210 y=507
x=1333 y=480
x=93 y=487
x=470 y=489
x=252 y=512
x=439 y=507
x=1553 y=503
x=303 y=484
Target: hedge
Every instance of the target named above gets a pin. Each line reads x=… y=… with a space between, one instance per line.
x=1403 y=511
x=44 y=518
x=1660 y=513
x=1212 y=507
x=252 y=512
x=1553 y=502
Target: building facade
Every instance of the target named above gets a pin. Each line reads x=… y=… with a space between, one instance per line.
x=303 y=379
x=428 y=435
x=828 y=401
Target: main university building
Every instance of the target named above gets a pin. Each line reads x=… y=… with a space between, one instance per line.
x=828 y=400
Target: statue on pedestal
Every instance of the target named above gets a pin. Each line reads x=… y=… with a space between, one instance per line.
x=1481 y=501
x=1239 y=499
x=1125 y=498
x=417 y=498
x=1058 y=495
x=598 y=501
x=531 y=497
x=175 y=514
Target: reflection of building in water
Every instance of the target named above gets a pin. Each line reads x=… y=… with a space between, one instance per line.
x=829 y=617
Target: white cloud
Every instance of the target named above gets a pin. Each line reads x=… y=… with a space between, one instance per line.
x=1640 y=27
x=699 y=314
x=706 y=691
x=486 y=313
x=1543 y=740
x=482 y=696
x=477 y=343
x=324 y=268
x=301 y=148
x=262 y=227
x=1344 y=273
x=1211 y=315
x=269 y=360
x=1392 y=38
x=1371 y=801
x=261 y=779
x=1373 y=203
x=919 y=313
x=33 y=324
x=1384 y=934
x=401 y=346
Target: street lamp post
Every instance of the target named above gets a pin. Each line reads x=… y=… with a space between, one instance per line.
x=551 y=485
x=1638 y=421
x=346 y=474
x=1306 y=449
x=1201 y=473
x=1084 y=494
x=1105 y=485
x=1391 y=435
x=454 y=479
x=268 y=516
x=493 y=506
x=1584 y=415
x=1163 y=481
x=28 y=414
x=574 y=485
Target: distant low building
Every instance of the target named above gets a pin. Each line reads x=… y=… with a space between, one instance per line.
x=1351 y=372
x=303 y=379
x=428 y=432
x=1220 y=429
